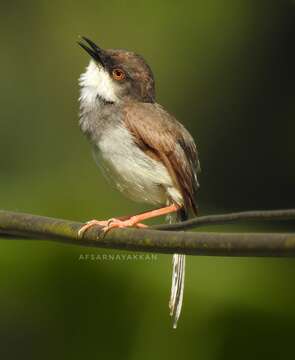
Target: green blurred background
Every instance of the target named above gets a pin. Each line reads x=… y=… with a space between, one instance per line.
x=226 y=70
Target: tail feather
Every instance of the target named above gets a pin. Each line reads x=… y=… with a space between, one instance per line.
x=178 y=274
x=177 y=287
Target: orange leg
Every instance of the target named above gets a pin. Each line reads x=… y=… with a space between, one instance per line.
x=131 y=221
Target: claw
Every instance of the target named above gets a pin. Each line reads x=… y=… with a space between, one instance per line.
x=110 y=224
x=89 y=224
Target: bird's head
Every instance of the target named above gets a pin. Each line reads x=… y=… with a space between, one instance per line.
x=115 y=75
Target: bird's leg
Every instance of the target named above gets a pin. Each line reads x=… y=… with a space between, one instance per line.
x=134 y=221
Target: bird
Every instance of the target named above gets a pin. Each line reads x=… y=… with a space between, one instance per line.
x=141 y=148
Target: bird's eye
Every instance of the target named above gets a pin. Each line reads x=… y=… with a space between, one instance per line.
x=118 y=74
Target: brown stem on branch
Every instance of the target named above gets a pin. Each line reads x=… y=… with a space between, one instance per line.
x=255 y=215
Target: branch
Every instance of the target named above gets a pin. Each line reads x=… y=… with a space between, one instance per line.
x=258 y=215
x=150 y=240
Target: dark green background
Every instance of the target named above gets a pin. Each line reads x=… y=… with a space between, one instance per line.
x=226 y=70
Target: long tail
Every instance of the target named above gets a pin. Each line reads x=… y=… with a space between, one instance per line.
x=177 y=287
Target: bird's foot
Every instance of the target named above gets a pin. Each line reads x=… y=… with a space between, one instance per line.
x=89 y=224
x=133 y=221
x=112 y=223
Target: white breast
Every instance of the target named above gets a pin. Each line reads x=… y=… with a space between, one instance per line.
x=135 y=174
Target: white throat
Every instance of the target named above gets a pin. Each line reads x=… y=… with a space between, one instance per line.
x=96 y=84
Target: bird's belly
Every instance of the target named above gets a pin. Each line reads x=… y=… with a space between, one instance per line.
x=134 y=173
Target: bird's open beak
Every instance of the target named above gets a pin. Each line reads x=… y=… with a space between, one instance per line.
x=93 y=50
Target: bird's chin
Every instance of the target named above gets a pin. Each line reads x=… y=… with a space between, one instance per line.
x=97 y=64
x=96 y=82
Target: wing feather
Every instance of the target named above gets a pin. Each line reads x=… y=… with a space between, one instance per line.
x=162 y=137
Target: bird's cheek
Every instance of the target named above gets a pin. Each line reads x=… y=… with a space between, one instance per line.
x=124 y=89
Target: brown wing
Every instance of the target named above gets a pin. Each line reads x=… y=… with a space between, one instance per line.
x=160 y=135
